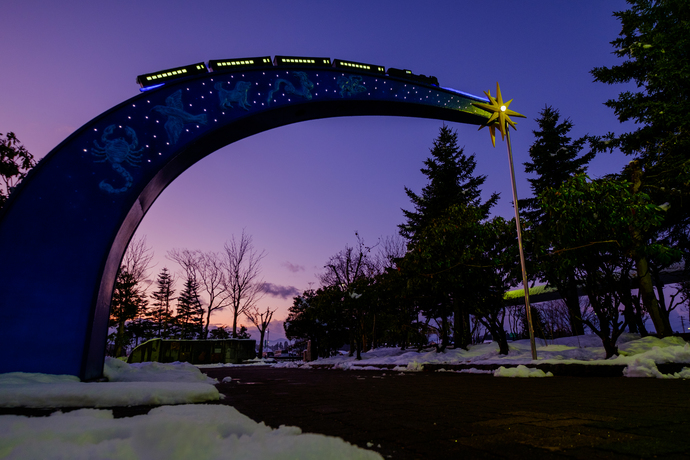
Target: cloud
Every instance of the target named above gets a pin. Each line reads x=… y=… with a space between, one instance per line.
x=293 y=268
x=283 y=292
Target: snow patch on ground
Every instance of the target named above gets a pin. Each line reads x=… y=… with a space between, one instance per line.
x=249 y=362
x=169 y=432
x=128 y=385
x=520 y=371
x=288 y=365
x=116 y=370
x=584 y=350
x=471 y=370
x=645 y=364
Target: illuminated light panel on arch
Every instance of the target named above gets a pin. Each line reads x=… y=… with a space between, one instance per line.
x=156 y=78
x=352 y=65
x=228 y=64
x=301 y=60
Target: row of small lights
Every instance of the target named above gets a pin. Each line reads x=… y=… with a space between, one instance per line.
x=303 y=61
x=359 y=66
x=170 y=74
x=247 y=62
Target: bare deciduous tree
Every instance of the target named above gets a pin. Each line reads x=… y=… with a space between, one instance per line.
x=392 y=248
x=348 y=266
x=129 y=299
x=261 y=320
x=137 y=261
x=349 y=271
x=242 y=272
x=207 y=269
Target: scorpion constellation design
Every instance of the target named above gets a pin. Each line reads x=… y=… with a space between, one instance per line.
x=351 y=85
x=304 y=90
x=117 y=151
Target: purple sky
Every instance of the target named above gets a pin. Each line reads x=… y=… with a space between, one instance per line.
x=303 y=190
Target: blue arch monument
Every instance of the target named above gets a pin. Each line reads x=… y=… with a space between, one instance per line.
x=64 y=231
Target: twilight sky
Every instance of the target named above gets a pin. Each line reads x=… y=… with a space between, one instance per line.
x=303 y=190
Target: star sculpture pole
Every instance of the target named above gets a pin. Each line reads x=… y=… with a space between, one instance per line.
x=500 y=115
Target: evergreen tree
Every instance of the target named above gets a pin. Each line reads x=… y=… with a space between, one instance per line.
x=464 y=262
x=127 y=304
x=15 y=162
x=452 y=182
x=161 y=312
x=219 y=333
x=654 y=43
x=243 y=333
x=189 y=317
x=554 y=159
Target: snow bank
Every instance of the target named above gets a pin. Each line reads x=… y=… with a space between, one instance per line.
x=288 y=365
x=645 y=364
x=203 y=432
x=471 y=370
x=637 y=353
x=249 y=362
x=129 y=385
x=116 y=370
x=520 y=371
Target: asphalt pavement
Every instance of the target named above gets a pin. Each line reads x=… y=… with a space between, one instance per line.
x=443 y=415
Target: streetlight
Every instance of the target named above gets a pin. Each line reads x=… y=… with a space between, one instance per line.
x=500 y=114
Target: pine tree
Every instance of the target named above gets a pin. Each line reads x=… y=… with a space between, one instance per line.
x=127 y=304
x=15 y=163
x=451 y=182
x=190 y=313
x=554 y=159
x=161 y=312
x=654 y=42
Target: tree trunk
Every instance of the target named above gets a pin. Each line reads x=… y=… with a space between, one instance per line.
x=629 y=315
x=660 y=293
x=462 y=329
x=502 y=340
x=206 y=326
x=646 y=288
x=572 y=301
x=443 y=335
x=638 y=318
x=626 y=299
x=373 y=333
x=119 y=338
x=234 y=325
x=457 y=322
x=609 y=346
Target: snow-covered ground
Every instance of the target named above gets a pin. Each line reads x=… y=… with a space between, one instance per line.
x=201 y=431
x=183 y=431
x=640 y=355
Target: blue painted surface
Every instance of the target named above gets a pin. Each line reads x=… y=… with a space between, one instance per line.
x=64 y=232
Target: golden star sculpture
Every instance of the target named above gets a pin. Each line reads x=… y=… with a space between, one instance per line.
x=499 y=111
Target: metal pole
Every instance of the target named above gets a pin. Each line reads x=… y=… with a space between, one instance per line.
x=522 y=254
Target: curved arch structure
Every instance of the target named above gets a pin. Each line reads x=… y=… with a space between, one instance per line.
x=64 y=232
